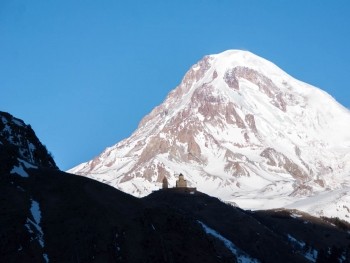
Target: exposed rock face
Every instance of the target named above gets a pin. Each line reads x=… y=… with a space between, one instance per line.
x=236 y=126
x=279 y=160
x=18 y=142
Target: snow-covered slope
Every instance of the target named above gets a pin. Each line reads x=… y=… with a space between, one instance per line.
x=241 y=129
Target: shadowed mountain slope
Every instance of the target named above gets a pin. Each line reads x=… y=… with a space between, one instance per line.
x=82 y=220
x=50 y=216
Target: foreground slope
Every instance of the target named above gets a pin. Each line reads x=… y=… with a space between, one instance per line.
x=239 y=128
x=50 y=216
x=58 y=217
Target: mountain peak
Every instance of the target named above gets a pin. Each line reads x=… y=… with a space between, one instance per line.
x=235 y=57
x=230 y=59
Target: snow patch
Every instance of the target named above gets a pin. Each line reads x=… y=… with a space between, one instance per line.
x=310 y=253
x=300 y=244
x=295 y=215
x=27 y=165
x=241 y=256
x=17 y=122
x=36 y=213
x=34 y=227
x=20 y=171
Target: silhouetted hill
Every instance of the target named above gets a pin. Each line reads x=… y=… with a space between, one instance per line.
x=48 y=215
x=270 y=236
x=86 y=221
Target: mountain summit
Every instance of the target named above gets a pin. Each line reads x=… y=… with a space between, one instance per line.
x=241 y=129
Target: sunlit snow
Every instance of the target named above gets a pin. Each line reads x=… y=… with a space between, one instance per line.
x=312 y=134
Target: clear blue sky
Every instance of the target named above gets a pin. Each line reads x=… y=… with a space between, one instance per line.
x=84 y=73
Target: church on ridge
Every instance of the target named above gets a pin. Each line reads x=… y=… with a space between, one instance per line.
x=181 y=185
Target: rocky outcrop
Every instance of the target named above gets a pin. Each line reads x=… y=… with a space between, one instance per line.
x=19 y=142
x=266 y=86
x=278 y=159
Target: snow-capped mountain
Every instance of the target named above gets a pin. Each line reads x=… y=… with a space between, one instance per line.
x=239 y=128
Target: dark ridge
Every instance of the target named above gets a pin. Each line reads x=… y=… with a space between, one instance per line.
x=87 y=221
x=18 y=140
x=83 y=220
